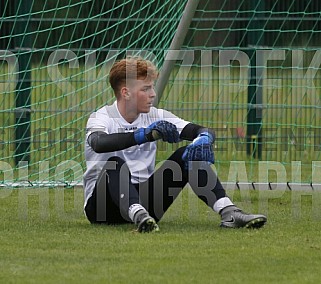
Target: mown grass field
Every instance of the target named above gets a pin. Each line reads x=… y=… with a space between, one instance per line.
x=54 y=243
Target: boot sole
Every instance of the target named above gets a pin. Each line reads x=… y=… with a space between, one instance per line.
x=147 y=226
x=253 y=224
x=256 y=223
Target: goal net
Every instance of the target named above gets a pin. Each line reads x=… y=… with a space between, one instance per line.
x=248 y=69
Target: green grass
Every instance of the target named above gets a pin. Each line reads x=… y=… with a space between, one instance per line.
x=190 y=248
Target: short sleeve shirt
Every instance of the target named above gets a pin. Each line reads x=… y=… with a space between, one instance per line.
x=139 y=158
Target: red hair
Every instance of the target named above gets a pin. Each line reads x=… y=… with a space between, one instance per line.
x=135 y=68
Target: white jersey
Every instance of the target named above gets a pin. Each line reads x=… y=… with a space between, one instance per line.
x=140 y=158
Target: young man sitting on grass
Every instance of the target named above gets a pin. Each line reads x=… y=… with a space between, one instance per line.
x=121 y=183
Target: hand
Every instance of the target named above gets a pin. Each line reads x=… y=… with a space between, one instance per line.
x=161 y=129
x=200 y=149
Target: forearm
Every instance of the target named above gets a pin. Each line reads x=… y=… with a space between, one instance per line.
x=102 y=142
x=191 y=131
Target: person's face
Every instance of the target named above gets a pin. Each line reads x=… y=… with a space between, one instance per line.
x=141 y=95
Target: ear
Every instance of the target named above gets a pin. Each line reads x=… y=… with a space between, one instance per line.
x=124 y=92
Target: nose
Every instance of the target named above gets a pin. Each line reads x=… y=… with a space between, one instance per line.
x=152 y=93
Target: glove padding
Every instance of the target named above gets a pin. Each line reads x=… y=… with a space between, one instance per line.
x=200 y=149
x=164 y=130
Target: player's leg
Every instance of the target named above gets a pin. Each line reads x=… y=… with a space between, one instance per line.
x=115 y=199
x=160 y=191
x=162 y=188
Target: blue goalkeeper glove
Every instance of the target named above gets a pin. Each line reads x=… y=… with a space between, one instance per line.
x=200 y=149
x=161 y=129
